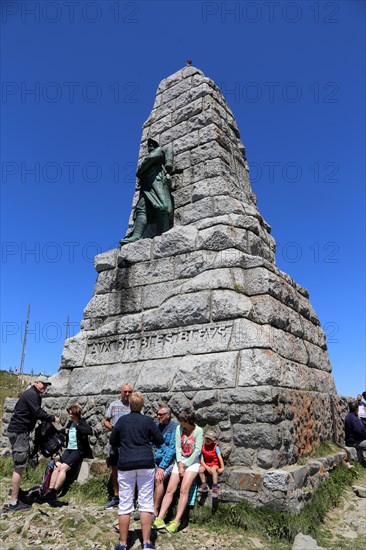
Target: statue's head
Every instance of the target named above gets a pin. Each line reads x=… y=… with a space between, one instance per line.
x=152 y=144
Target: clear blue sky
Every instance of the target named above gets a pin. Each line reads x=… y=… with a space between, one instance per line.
x=293 y=75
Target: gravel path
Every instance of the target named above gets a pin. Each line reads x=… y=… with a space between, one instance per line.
x=73 y=526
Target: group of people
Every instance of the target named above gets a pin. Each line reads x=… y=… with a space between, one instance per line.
x=355 y=426
x=154 y=457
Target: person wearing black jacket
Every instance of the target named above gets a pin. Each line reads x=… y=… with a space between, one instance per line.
x=355 y=432
x=133 y=434
x=26 y=413
x=77 y=448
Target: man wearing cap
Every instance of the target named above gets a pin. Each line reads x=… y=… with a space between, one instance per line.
x=26 y=413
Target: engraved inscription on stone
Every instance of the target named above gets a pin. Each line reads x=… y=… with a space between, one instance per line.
x=120 y=348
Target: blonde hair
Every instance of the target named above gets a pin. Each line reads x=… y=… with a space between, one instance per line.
x=137 y=401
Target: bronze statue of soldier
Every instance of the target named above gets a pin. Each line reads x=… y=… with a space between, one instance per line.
x=155 y=202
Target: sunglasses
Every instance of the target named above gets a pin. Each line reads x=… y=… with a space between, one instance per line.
x=127 y=392
x=161 y=414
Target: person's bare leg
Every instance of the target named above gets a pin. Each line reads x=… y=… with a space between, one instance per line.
x=158 y=496
x=145 y=520
x=64 y=468
x=124 y=524
x=202 y=474
x=115 y=480
x=214 y=475
x=188 y=479
x=15 y=484
x=54 y=476
x=167 y=500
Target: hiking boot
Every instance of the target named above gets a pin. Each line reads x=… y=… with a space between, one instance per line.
x=203 y=488
x=121 y=547
x=158 y=524
x=148 y=545
x=113 y=503
x=18 y=507
x=50 y=496
x=172 y=527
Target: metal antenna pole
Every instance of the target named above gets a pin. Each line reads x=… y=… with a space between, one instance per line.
x=21 y=368
x=67 y=327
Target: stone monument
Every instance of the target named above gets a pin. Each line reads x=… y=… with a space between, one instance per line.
x=200 y=316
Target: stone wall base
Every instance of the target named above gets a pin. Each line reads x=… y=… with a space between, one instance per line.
x=285 y=489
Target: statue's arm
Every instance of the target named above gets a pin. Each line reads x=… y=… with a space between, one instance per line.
x=152 y=158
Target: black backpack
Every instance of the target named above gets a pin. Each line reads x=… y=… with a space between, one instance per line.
x=48 y=439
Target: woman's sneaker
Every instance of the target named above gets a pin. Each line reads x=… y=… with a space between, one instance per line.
x=203 y=488
x=215 y=491
x=148 y=545
x=172 y=527
x=113 y=503
x=158 y=524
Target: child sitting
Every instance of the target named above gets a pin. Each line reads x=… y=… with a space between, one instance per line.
x=211 y=462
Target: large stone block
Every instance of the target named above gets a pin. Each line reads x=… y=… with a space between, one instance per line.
x=218 y=278
x=105 y=261
x=212 y=188
x=133 y=253
x=114 y=303
x=245 y=479
x=221 y=237
x=155 y=295
x=155 y=271
x=174 y=91
x=263 y=436
x=178 y=240
x=198 y=372
x=74 y=351
x=194 y=263
x=277 y=480
x=228 y=304
x=180 y=311
x=194 y=212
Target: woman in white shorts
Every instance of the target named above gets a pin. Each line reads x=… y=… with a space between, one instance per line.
x=133 y=434
x=188 y=441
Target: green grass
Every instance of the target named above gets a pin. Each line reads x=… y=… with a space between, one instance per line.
x=280 y=526
x=324 y=448
x=10 y=386
x=32 y=476
x=94 y=490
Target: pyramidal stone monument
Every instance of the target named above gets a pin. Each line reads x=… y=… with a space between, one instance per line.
x=201 y=317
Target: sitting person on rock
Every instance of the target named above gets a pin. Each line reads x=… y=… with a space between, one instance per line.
x=355 y=431
x=164 y=455
x=211 y=462
x=77 y=448
x=188 y=446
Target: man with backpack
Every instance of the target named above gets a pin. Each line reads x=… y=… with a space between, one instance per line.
x=26 y=413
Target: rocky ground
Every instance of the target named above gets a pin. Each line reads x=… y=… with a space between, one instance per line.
x=71 y=525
